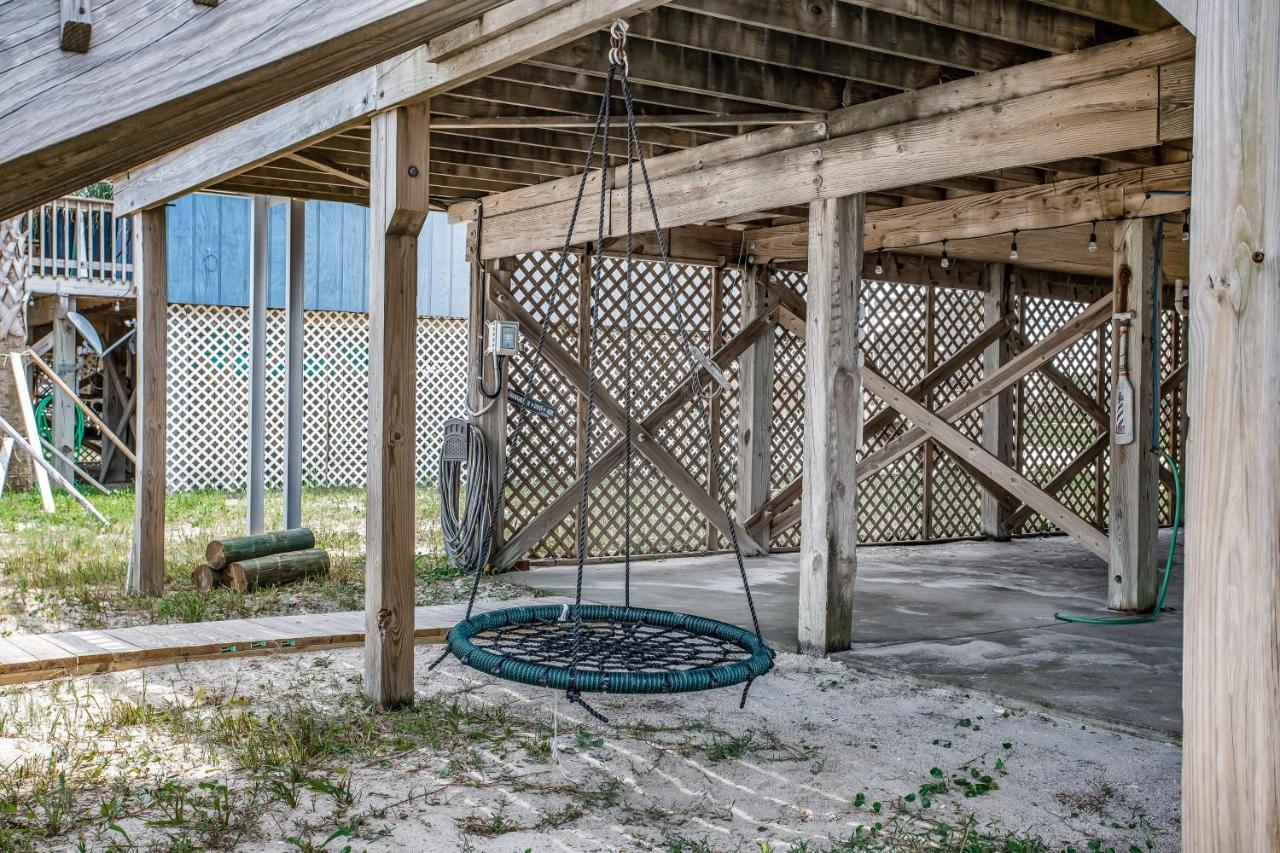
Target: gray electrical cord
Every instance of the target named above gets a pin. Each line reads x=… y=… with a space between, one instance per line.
x=465 y=521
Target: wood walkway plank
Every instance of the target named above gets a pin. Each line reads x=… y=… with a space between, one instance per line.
x=31 y=657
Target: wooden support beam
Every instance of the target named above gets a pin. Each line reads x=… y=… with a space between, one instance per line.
x=997 y=413
x=133 y=102
x=755 y=405
x=259 y=269
x=493 y=423
x=868 y=29
x=674 y=120
x=1134 y=497
x=942 y=432
x=295 y=274
x=1060 y=480
x=1110 y=114
x=77 y=25
x=344 y=103
x=832 y=426
x=1010 y=20
x=66 y=365
x=1140 y=15
x=398 y=207
x=1052 y=205
x=108 y=433
x=1231 y=651
x=151 y=274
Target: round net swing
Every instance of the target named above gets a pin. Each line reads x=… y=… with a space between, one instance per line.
x=614 y=648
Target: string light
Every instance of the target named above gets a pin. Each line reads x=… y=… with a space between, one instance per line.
x=1186 y=228
x=946 y=259
x=880 y=261
x=1013 y=246
x=1093 y=237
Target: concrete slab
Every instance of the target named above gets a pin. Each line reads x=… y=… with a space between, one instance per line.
x=975 y=614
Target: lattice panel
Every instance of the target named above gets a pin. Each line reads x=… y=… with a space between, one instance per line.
x=1173 y=354
x=542 y=454
x=788 y=406
x=1049 y=429
x=208 y=403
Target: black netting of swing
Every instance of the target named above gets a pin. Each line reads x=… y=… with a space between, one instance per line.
x=609 y=649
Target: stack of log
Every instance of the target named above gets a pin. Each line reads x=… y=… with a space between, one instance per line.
x=245 y=563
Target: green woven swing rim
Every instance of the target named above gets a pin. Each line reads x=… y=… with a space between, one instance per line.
x=613 y=681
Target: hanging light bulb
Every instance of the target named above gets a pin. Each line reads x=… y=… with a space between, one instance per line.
x=117 y=306
x=1186 y=228
x=946 y=259
x=880 y=261
x=1013 y=247
x=1093 y=237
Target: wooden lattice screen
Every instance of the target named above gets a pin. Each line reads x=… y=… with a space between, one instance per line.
x=209 y=395
x=907 y=330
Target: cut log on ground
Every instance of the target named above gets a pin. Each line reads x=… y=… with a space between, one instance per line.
x=204 y=577
x=221 y=553
x=276 y=569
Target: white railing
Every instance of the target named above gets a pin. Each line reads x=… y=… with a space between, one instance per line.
x=79 y=238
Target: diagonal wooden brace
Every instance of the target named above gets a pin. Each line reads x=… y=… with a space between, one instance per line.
x=645 y=442
x=935 y=427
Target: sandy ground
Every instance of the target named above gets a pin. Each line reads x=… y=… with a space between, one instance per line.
x=816 y=746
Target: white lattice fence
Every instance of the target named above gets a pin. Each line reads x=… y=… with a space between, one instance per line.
x=209 y=395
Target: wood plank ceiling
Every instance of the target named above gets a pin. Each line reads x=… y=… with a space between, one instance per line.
x=763 y=61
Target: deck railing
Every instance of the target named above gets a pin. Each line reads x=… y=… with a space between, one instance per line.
x=80 y=238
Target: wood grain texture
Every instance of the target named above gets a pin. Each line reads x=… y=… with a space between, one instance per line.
x=1014 y=483
x=832 y=426
x=151 y=272
x=261 y=55
x=398 y=208
x=997 y=413
x=339 y=104
x=755 y=405
x=1134 y=496
x=1231 y=652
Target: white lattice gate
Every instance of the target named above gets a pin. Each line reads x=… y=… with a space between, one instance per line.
x=209 y=395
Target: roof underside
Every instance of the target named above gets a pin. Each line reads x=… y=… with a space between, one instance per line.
x=767 y=61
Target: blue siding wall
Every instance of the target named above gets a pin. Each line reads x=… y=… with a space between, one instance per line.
x=209 y=256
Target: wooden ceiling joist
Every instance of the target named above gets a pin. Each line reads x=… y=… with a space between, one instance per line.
x=409 y=76
x=1009 y=20
x=1113 y=113
x=130 y=101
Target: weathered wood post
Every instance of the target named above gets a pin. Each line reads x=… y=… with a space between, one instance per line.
x=258 y=274
x=398 y=204
x=832 y=425
x=1231 y=651
x=755 y=405
x=1135 y=485
x=997 y=413
x=64 y=412
x=295 y=280
x=151 y=280
x=14 y=269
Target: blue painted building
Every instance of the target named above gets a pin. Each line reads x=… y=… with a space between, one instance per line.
x=209 y=256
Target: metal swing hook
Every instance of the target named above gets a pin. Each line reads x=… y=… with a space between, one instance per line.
x=618 y=44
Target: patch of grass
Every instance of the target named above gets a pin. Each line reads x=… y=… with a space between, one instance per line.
x=65 y=571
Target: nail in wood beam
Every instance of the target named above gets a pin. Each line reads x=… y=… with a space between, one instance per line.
x=151 y=278
x=295 y=274
x=997 y=413
x=397 y=209
x=77 y=26
x=832 y=425
x=755 y=406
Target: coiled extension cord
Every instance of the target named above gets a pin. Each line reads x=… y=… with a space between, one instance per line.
x=465 y=520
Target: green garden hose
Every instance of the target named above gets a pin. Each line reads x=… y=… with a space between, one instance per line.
x=1168 y=568
x=45 y=426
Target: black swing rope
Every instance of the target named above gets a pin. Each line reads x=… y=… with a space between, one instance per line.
x=648 y=650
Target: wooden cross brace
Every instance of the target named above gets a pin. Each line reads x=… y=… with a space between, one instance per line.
x=643 y=431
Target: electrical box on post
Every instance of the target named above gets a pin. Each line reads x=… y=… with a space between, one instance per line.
x=504 y=338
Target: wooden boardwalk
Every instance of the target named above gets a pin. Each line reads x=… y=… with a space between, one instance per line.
x=31 y=657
